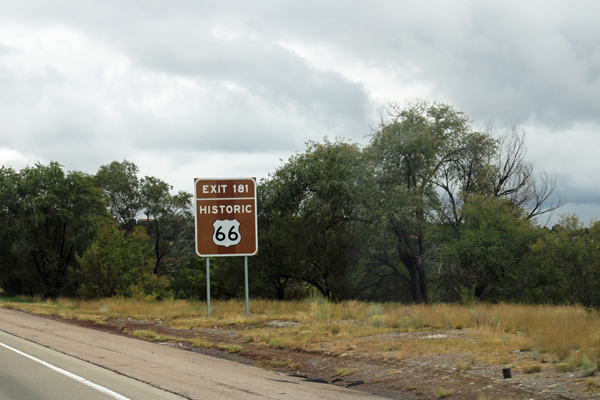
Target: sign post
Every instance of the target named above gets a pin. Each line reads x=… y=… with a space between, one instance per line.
x=226 y=222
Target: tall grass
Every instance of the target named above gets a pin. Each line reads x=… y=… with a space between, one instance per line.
x=314 y=324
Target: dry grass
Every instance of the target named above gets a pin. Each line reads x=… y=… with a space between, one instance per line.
x=342 y=372
x=531 y=368
x=569 y=336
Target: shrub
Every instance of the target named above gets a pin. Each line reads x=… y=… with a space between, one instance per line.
x=377 y=321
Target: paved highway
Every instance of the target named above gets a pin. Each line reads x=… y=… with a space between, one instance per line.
x=29 y=371
x=185 y=373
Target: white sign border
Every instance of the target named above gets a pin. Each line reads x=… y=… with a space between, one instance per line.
x=196 y=199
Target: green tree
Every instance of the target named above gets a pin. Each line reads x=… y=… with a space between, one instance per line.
x=47 y=217
x=408 y=153
x=428 y=163
x=121 y=187
x=306 y=214
x=491 y=255
x=117 y=263
x=273 y=275
x=169 y=224
x=569 y=255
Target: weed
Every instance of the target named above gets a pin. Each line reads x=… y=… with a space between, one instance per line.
x=153 y=336
x=588 y=367
x=375 y=309
x=229 y=348
x=335 y=329
x=467 y=295
x=200 y=343
x=342 y=372
x=416 y=321
x=387 y=347
x=377 y=321
x=247 y=339
x=318 y=307
x=591 y=385
x=465 y=366
x=478 y=317
x=493 y=322
x=440 y=393
x=530 y=369
x=292 y=366
x=562 y=367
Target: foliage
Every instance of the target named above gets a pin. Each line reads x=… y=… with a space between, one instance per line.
x=408 y=152
x=428 y=210
x=307 y=210
x=569 y=255
x=226 y=279
x=47 y=217
x=117 y=263
x=168 y=216
x=121 y=187
x=490 y=254
x=169 y=224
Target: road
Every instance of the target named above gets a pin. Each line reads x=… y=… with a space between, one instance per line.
x=115 y=362
x=29 y=371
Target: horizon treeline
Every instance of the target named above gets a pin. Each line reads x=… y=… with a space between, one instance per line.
x=429 y=210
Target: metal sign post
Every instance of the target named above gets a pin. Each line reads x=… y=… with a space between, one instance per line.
x=208 y=286
x=226 y=222
x=247 y=290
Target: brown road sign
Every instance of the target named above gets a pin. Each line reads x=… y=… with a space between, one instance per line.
x=226 y=217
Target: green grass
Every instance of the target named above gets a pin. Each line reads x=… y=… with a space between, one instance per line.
x=153 y=336
x=18 y=300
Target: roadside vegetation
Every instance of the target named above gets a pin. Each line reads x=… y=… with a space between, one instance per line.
x=565 y=338
x=429 y=210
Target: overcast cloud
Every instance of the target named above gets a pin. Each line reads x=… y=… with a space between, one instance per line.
x=191 y=89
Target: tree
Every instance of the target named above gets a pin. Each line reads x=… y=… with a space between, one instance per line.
x=273 y=275
x=490 y=174
x=117 y=263
x=170 y=223
x=513 y=178
x=491 y=255
x=428 y=163
x=408 y=153
x=306 y=216
x=494 y=168
x=569 y=255
x=121 y=187
x=48 y=216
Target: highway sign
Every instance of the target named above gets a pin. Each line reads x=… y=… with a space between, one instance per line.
x=226 y=217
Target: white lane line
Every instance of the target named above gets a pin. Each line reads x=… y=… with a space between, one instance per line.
x=99 y=388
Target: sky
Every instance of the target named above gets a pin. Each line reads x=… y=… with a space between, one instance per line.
x=217 y=89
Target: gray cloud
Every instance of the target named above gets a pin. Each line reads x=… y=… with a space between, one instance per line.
x=87 y=82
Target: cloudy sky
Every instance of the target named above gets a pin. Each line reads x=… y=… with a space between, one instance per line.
x=191 y=89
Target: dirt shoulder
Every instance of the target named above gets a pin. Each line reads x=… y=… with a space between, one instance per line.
x=423 y=377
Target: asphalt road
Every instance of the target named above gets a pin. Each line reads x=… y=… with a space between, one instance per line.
x=29 y=371
x=114 y=357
